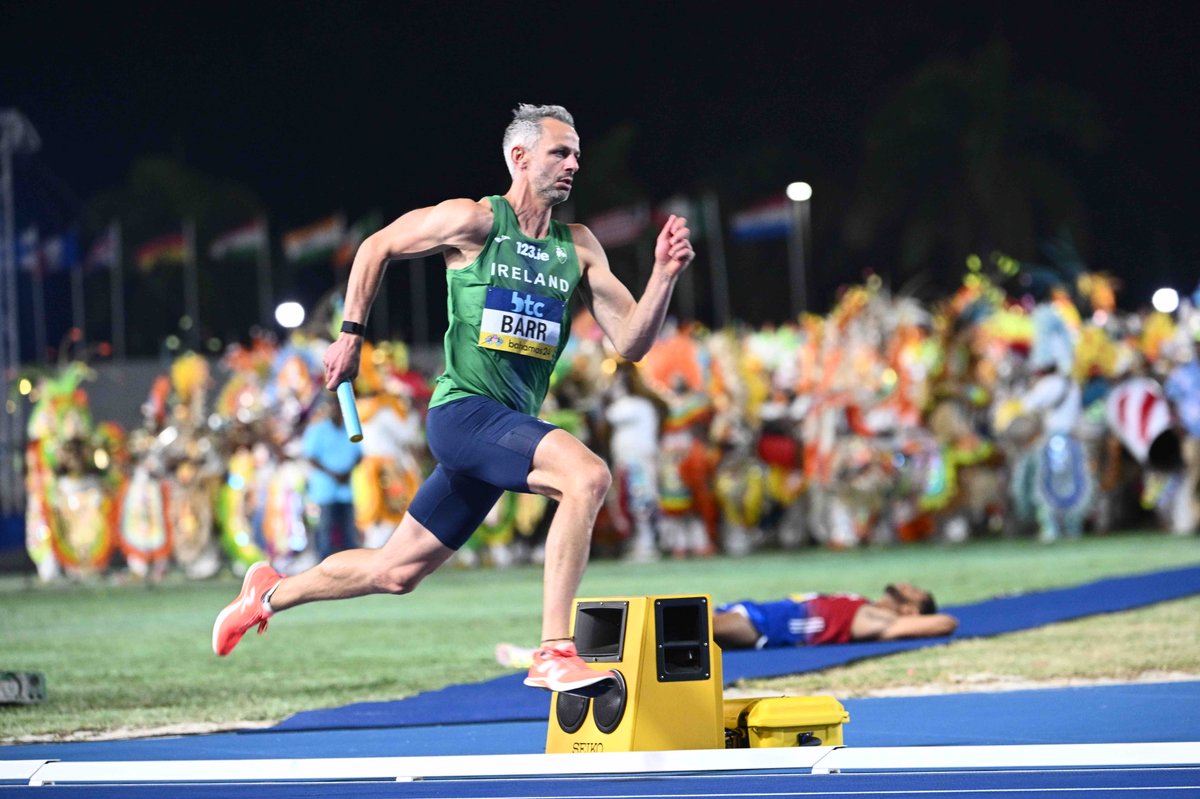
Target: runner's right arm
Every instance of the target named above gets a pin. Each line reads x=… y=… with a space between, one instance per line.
x=450 y=225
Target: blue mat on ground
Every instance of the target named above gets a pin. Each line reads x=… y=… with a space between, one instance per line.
x=506 y=699
x=1128 y=713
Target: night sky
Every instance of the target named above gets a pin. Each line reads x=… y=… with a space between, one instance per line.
x=361 y=106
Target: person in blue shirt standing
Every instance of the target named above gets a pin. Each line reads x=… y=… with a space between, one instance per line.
x=332 y=457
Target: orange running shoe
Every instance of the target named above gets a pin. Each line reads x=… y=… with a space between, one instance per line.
x=559 y=668
x=246 y=611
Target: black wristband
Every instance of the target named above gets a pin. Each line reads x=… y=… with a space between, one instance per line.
x=355 y=328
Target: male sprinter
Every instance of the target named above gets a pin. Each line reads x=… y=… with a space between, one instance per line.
x=511 y=271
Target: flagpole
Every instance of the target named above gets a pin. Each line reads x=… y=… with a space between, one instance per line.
x=78 y=313
x=266 y=291
x=12 y=421
x=11 y=342
x=17 y=135
x=687 y=295
x=685 y=290
x=39 y=306
x=191 y=287
x=118 y=294
x=798 y=195
x=716 y=254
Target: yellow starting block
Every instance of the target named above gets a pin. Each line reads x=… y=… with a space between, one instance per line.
x=669 y=687
x=669 y=693
x=784 y=721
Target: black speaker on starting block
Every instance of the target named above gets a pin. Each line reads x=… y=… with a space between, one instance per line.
x=22 y=688
x=668 y=692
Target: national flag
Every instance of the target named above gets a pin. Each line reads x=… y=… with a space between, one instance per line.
x=316 y=241
x=61 y=252
x=104 y=250
x=771 y=219
x=620 y=226
x=240 y=242
x=356 y=234
x=170 y=248
x=28 y=254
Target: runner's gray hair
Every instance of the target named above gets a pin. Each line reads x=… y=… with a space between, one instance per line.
x=526 y=127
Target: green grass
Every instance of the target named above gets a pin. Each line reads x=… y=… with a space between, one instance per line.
x=1153 y=642
x=132 y=657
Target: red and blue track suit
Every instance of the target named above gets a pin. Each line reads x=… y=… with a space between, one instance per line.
x=801 y=619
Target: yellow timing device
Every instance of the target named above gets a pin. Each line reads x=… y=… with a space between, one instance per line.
x=668 y=693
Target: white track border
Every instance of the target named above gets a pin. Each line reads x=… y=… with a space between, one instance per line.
x=13 y=770
x=415 y=768
x=809 y=760
x=1019 y=756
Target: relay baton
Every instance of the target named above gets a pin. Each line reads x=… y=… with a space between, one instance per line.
x=345 y=392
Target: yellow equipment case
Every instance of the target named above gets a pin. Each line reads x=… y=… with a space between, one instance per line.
x=784 y=721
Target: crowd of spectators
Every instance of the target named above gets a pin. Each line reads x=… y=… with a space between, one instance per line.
x=886 y=420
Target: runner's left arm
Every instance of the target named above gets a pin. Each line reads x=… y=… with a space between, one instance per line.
x=633 y=325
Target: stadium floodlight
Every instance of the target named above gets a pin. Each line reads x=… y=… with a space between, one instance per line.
x=799 y=191
x=1165 y=300
x=289 y=315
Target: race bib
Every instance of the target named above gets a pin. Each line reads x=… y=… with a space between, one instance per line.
x=520 y=322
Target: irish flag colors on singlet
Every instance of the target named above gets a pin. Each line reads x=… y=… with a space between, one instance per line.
x=508 y=319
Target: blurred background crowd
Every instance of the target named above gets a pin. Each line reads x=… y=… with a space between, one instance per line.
x=886 y=421
x=934 y=201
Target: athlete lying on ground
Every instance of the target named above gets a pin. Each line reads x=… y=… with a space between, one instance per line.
x=903 y=611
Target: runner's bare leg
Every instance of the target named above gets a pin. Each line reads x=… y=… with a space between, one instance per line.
x=566 y=470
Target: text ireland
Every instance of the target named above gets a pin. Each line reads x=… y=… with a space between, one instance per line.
x=530 y=277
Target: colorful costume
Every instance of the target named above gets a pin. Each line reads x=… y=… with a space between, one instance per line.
x=634 y=451
x=1055 y=471
x=389 y=475
x=690 y=515
x=194 y=470
x=72 y=482
x=144 y=529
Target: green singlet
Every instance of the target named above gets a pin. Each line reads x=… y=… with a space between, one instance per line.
x=508 y=315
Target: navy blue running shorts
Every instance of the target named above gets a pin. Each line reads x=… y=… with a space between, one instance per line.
x=483 y=449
